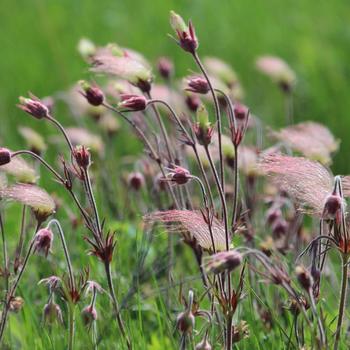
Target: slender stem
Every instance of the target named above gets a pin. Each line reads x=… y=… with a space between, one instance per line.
x=235 y=193
x=116 y=306
x=229 y=331
x=218 y=117
x=342 y=302
x=19 y=247
x=5 y=256
x=71 y=331
x=289 y=107
x=318 y=318
x=61 y=128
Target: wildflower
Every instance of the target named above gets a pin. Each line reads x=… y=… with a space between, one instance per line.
x=92 y=287
x=197 y=85
x=52 y=313
x=43 y=241
x=33 y=106
x=279 y=227
x=203 y=129
x=178 y=175
x=203 y=345
x=223 y=261
x=165 y=67
x=239 y=125
x=304 y=277
x=278 y=70
x=186 y=35
x=332 y=207
x=34 y=140
x=193 y=102
x=93 y=94
x=185 y=320
x=82 y=156
x=89 y=315
x=53 y=282
x=136 y=181
x=5 y=156
x=20 y=169
x=132 y=102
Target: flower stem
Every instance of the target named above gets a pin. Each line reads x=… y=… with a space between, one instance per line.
x=71 y=331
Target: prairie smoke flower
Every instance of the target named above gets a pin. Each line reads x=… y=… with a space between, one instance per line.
x=35 y=141
x=304 y=277
x=136 y=181
x=197 y=84
x=89 y=315
x=192 y=222
x=223 y=261
x=203 y=345
x=221 y=70
x=278 y=70
x=165 y=67
x=185 y=322
x=33 y=106
x=5 y=156
x=82 y=156
x=33 y=196
x=52 y=313
x=238 y=126
x=186 y=35
x=132 y=102
x=20 y=169
x=43 y=241
x=93 y=94
x=203 y=129
x=92 y=287
x=311 y=139
x=192 y=102
x=53 y=282
x=178 y=175
x=81 y=136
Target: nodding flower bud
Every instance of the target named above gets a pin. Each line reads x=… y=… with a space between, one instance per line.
x=136 y=181
x=332 y=207
x=33 y=106
x=132 y=102
x=93 y=94
x=273 y=214
x=185 y=322
x=89 y=315
x=165 y=67
x=198 y=85
x=43 y=241
x=203 y=129
x=304 y=277
x=224 y=261
x=203 y=345
x=193 y=102
x=178 y=175
x=5 y=156
x=186 y=35
x=52 y=313
x=279 y=227
x=239 y=125
x=82 y=156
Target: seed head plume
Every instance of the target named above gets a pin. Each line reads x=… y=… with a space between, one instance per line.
x=20 y=170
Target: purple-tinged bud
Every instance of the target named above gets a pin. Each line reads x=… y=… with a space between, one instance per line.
x=93 y=94
x=193 y=102
x=43 y=241
x=165 y=67
x=273 y=214
x=82 y=156
x=33 y=106
x=203 y=345
x=239 y=125
x=52 y=313
x=5 y=156
x=304 y=277
x=332 y=207
x=179 y=175
x=185 y=322
x=198 y=85
x=186 y=34
x=132 y=102
x=279 y=227
x=224 y=261
x=136 y=181
x=53 y=282
x=89 y=315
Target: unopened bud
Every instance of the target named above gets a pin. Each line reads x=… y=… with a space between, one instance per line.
x=239 y=125
x=33 y=106
x=132 y=102
x=203 y=345
x=273 y=214
x=193 y=102
x=52 y=313
x=198 y=85
x=185 y=322
x=203 y=129
x=165 y=67
x=279 y=227
x=5 y=156
x=224 y=261
x=89 y=315
x=332 y=206
x=43 y=241
x=136 y=181
x=304 y=277
x=82 y=156
x=93 y=94
x=179 y=175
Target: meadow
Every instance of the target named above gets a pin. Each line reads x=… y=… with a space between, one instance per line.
x=168 y=183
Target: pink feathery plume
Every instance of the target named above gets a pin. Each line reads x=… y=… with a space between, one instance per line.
x=192 y=222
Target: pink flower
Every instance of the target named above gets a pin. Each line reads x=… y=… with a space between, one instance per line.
x=43 y=241
x=33 y=106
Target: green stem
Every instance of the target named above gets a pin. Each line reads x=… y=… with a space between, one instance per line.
x=71 y=330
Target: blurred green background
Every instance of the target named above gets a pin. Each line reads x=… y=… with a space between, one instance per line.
x=38 y=50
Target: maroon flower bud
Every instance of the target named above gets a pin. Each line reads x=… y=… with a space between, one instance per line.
x=273 y=214
x=203 y=345
x=165 y=67
x=179 y=175
x=52 y=313
x=5 y=156
x=185 y=322
x=43 y=241
x=144 y=85
x=132 y=102
x=193 y=102
x=238 y=126
x=186 y=35
x=279 y=227
x=224 y=261
x=93 y=94
x=81 y=155
x=332 y=207
x=136 y=181
x=33 y=106
x=304 y=277
x=198 y=85
x=89 y=315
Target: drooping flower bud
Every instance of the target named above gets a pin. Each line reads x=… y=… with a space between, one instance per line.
x=82 y=156
x=5 y=156
x=238 y=126
x=132 y=102
x=43 y=241
x=332 y=207
x=192 y=102
x=136 y=181
x=178 y=175
x=89 y=315
x=53 y=282
x=186 y=35
x=52 y=313
x=203 y=345
x=165 y=67
x=304 y=277
x=273 y=214
x=33 y=106
x=93 y=94
x=224 y=261
x=185 y=322
x=203 y=129
x=197 y=85
x=279 y=227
